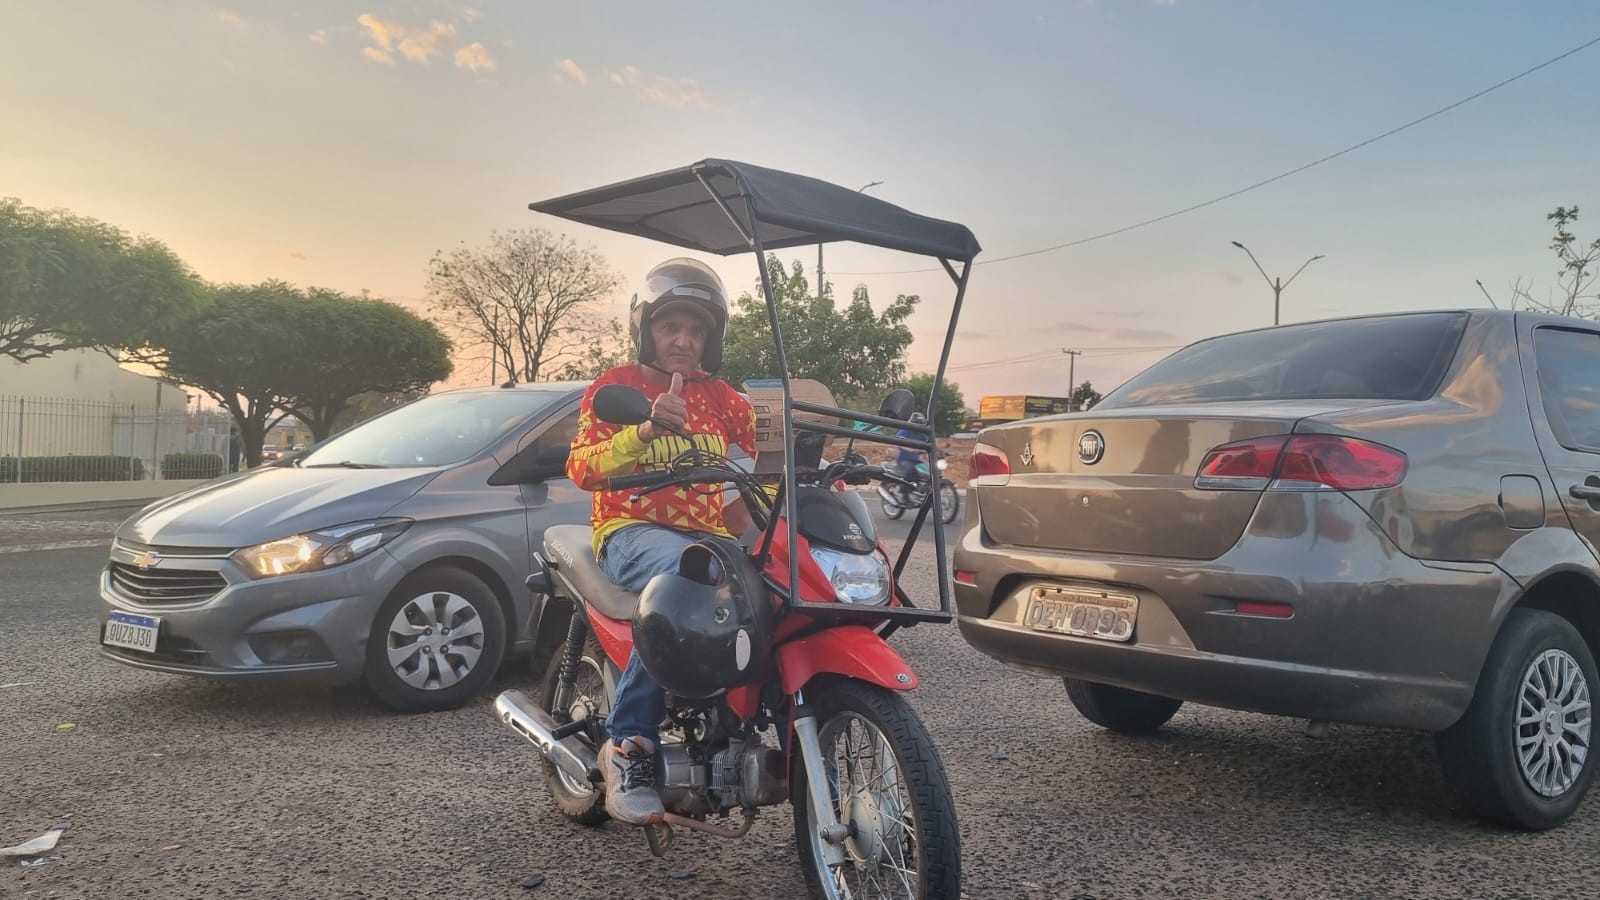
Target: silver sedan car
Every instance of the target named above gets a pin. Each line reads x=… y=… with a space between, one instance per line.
x=393 y=554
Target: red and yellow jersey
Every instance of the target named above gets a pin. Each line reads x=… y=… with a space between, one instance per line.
x=719 y=417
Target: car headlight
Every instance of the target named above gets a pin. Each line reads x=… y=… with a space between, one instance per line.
x=943 y=464
x=861 y=580
x=319 y=549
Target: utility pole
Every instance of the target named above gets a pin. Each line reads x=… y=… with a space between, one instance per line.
x=1072 y=377
x=820 y=283
x=1279 y=284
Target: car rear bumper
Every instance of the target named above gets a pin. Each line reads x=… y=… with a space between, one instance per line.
x=1375 y=638
x=313 y=626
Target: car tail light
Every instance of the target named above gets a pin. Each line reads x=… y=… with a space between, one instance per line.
x=988 y=465
x=1301 y=462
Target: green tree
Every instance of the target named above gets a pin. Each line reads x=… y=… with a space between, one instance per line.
x=1574 y=293
x=68 y=282
x=1084 y=396
x=528 y=295
x=854 y=351
x=351 y=346
x=240 y=353
x=949 y=415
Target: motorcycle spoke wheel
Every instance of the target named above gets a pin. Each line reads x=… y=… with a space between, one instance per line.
x=888 y=788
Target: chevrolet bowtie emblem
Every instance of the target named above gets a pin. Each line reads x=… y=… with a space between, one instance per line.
x=146 y=560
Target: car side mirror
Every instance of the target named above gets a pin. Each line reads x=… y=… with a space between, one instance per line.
x=538 y=462
x=619 y=404
x=897 y=405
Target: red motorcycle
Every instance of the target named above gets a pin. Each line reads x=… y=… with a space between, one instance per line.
x=810 y=707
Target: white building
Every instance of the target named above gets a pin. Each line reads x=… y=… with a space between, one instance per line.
x=82 y=403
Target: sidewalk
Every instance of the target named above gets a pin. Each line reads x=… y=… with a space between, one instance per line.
x=66 y=496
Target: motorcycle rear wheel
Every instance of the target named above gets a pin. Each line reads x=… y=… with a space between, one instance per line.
x=890 y=786
x=582 y=803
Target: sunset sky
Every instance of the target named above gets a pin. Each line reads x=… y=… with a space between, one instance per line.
x=341 y=144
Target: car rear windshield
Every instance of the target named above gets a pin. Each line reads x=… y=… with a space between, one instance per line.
x=1378 y=358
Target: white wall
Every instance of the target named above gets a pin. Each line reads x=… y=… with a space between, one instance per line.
x=87 y=375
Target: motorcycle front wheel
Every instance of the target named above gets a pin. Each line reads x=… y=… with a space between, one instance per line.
x=888 y=785
x=949 y=502
x=891 y=510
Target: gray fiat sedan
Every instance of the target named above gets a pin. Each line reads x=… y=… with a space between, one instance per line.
x=1386 y=520
x=394 y=553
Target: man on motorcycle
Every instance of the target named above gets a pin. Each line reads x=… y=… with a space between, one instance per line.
x=906 y=460
x=677 y=322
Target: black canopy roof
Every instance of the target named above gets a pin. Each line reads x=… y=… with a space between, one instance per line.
x=791 y=210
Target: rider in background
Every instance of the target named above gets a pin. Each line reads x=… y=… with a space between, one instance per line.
x=677 y=322
x=906 y=459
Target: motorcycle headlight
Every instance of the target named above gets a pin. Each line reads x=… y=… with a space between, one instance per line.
x=319 y=549
x=861 y=580
x=943 y=464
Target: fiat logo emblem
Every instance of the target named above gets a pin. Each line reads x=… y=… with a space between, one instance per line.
x=1091 y=446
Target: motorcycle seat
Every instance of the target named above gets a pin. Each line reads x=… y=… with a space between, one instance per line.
x=570 y=548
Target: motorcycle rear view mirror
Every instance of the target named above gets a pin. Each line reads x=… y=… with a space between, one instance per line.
x=897 y=405
x=619 y=404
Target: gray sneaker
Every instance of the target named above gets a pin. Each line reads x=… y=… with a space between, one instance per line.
x=630 y=771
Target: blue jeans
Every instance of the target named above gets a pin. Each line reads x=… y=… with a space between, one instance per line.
x=630 y=557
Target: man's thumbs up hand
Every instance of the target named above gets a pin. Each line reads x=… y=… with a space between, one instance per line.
x=669 y=409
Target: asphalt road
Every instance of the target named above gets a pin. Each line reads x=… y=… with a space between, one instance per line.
x=177 y=788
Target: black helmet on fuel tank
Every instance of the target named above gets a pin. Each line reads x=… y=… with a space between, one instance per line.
x=707 y=628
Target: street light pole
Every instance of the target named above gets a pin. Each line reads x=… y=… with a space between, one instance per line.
x=1278 y=284
x=820 y=282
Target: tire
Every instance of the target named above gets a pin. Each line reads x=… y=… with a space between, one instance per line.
x=434 y=599
x=1119 y=709
x=586 y=807
x=1480 y=752
x=950 y=500
x=890 y=510
x=926 y=793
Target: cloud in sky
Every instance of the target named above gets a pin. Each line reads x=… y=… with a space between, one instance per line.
x=660 y=89
x=470 y=14
x=378 y=55
x=320 y=36
x=228 y=18
x=297 y=255
x=567 y=69
x=474 y=57
x=417 y=43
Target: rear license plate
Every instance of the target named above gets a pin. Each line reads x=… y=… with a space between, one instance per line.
x=1063 y=611
x=131 y=631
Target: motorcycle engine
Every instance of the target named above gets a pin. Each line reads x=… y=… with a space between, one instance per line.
x=740 y=775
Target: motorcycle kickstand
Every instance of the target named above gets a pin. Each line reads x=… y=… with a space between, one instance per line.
x=659 y=836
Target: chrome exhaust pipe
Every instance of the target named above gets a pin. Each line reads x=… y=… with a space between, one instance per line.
x=519 y=714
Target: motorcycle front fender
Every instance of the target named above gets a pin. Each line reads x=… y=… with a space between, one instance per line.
x=854 y=651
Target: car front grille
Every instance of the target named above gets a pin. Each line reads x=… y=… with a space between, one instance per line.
x=161 y=586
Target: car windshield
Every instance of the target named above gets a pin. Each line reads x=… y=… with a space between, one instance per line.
x=435 y=431
x=1381 y=358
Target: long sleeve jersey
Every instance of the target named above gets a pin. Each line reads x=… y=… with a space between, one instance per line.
x=719 y=417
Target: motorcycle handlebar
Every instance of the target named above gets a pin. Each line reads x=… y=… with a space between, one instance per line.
x=646 y=480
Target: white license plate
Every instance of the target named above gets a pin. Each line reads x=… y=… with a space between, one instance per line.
x=1109 y=617
x=131 y=631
